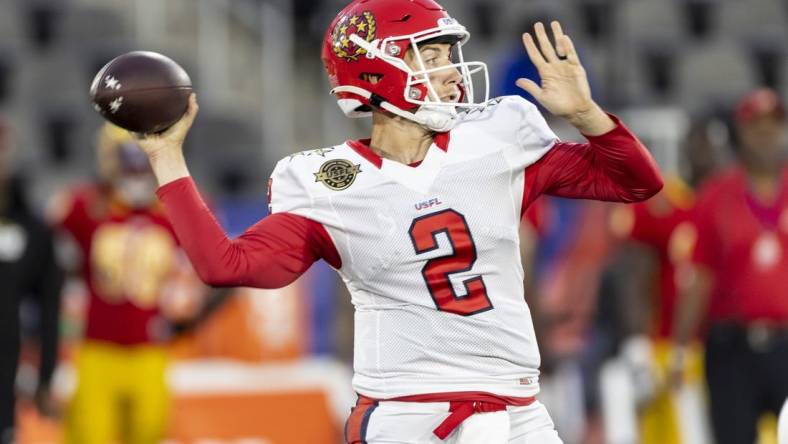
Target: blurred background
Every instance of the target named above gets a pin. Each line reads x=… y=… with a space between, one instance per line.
x=274 y=366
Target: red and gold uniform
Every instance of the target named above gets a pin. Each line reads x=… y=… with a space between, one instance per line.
x=127 y=258
x=128 y=255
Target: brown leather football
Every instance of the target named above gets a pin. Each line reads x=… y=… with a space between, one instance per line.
x=141 y=91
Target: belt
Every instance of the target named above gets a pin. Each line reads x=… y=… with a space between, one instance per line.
x=760 y=336
x=462 y=410
x=464 y=404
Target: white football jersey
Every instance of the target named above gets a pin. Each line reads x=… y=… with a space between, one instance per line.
x=430 y=253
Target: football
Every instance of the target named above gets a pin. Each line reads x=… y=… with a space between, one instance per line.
x=141 y=91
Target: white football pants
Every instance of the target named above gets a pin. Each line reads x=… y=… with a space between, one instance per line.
x=413 y=422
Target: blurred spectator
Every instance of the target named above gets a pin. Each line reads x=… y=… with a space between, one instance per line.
x=738 y=281
x=139 y=282
x=27 y=268
x=662 y=238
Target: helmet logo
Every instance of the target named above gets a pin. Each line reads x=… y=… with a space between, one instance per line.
x=364 y=26
x=446 y=21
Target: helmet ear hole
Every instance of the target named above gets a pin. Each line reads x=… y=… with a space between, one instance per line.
x=371 y=77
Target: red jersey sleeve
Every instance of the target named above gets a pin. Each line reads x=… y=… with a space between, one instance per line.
x=271 y=254
x=612 y=167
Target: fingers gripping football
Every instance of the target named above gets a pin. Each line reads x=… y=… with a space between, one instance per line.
x=564 y=89
x=173 y=138
x=165 y=149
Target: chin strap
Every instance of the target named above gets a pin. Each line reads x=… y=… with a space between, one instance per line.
x=437 y=118
x=434 y=118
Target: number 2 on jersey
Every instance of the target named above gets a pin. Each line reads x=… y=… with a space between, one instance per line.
x=437 y=271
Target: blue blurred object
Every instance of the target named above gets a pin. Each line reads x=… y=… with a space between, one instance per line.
x=514 y=65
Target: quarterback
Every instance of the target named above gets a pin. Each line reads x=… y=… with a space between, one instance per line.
x=421 y=219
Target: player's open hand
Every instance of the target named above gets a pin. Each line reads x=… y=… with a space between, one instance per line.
x=564 y=90
x=172 y=138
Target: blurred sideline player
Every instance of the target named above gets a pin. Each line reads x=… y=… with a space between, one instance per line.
x=663 y=238
x=574 y=245
x=28 y=269
x=136 y=276
x=421 y=220
x=738 y=277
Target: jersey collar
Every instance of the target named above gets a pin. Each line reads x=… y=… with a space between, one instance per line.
x=361 y=146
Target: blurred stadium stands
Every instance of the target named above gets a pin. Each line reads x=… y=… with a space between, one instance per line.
x=256 y=64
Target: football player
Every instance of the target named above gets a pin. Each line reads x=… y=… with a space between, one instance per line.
x=134 y=270
x=421 y=219
x=659 y=237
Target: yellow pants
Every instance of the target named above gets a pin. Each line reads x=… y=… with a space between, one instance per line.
x=121 y=395
x=658 y=420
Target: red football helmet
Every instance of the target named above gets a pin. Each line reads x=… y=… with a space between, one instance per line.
x=368 y=40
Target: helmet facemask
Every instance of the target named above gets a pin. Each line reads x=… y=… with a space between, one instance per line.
x=421 y=78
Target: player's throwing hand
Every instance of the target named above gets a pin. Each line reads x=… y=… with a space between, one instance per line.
x=165 y=150
x=564 y=90
x=173 y=137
